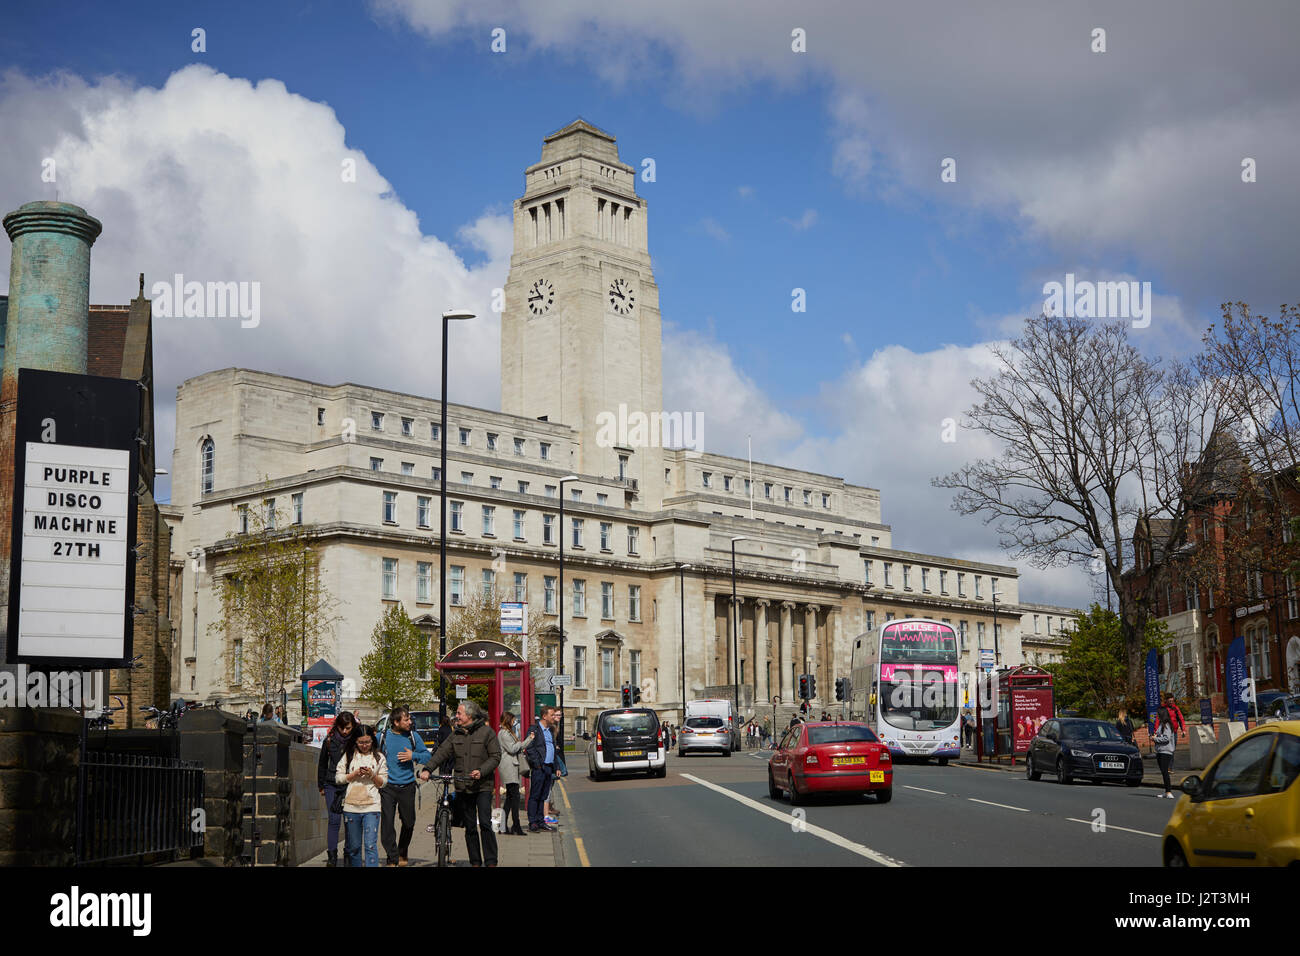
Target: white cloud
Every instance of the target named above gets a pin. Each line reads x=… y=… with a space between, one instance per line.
x=804 y=222
x=714 y=229
x=222 y=179
x=745 y=192
x=699 y=375
x=1135 y=151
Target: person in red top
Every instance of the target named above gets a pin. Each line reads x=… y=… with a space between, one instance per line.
x=1180 y=725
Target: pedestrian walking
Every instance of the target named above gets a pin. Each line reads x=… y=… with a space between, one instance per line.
x=1175 y=715
x=268 y=715
x=332 y=749
x=281 y=717
x=803 y=707
x=478 y=755
x=541 y=764
x=1124 y=725
x=402 y=749
x=512 y=755
x=363 y=771
x=1164 y=740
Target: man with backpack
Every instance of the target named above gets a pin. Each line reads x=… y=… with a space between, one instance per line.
x=402 y=749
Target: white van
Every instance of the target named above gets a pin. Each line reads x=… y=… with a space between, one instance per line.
x=716 y=707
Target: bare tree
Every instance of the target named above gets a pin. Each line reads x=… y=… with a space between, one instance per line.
x=1096 y=441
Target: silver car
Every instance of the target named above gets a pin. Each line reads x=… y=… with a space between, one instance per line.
x=704 y=733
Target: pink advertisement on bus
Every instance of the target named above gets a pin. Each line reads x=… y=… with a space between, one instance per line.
x=917 y=671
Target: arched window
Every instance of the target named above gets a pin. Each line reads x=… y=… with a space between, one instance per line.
x=207 y=456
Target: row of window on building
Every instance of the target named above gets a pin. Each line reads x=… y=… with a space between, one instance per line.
x=745 y=486
x=1255 y=590
x=518 y=590
x=464 y=434
x=868 y=569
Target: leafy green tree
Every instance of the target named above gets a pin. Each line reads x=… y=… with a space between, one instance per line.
x=1092 y=676
x=274 y=613
x=390 y=672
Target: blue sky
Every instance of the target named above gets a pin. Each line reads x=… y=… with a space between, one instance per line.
x=775 y=170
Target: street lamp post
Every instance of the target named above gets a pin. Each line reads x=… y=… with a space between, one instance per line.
x=560 y=738
x=449 y=316
x=681 y=592
x=735 y=630
x=997 y=653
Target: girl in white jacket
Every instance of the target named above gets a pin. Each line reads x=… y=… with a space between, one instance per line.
x=364 y=771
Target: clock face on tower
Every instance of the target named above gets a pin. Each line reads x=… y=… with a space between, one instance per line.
x=621 y=298
x=540 y=296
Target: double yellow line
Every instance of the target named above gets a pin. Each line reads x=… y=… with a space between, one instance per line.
x=577 y=840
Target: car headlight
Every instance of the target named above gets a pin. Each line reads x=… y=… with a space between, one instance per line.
x=1080 y=753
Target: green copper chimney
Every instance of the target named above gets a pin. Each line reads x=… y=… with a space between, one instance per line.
x=49 y=288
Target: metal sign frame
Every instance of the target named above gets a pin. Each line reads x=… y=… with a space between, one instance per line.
x=66 y=410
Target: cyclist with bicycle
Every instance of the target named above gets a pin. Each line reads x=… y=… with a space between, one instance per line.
x=477 y=753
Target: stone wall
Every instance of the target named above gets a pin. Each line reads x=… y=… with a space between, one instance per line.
x=216 y=739
x=39 y=758
x=284 y=815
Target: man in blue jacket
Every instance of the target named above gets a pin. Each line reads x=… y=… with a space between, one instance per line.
x=541 y=765
x=403 y=749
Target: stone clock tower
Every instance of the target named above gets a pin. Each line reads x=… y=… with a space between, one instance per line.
x=580 y=333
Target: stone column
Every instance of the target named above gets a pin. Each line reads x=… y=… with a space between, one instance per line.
x=810 y=650
x=735 y=639
x=762 y=694
x=787 y=651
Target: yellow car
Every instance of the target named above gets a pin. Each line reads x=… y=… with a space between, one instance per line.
x=1245 y=811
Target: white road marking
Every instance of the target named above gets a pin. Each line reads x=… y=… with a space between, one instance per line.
x=1111 y=826
x=830 y=837
x=1004 y=806
x=924 y=790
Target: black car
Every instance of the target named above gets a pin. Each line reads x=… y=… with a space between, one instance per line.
x=628 y=740
x=1077 y=747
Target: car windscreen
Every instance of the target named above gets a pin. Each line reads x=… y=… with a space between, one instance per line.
x=633 y=722
x=841 y=735
x=425 y=723
x=1090 y=730
x=706 y=722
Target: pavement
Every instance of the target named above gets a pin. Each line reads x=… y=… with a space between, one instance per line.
x=535 y=849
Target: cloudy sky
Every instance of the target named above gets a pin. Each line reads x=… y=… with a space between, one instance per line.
x=776 y=169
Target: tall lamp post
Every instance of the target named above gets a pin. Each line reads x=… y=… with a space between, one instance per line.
x=997 y=651
x=560 y=741
x=735 y=629
x=449 y=316
x=681 y=592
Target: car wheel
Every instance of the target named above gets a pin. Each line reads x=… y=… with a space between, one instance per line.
x=1174 y=855
x=1061 y=775
x=773 y=790
x=1030 y=772
x=661 y=772
x=726 y=753
x=681 y=754
x=795 y=799
x=943 y=761
x=884 y=796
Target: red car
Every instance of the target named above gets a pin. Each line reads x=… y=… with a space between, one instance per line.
x=829 y=756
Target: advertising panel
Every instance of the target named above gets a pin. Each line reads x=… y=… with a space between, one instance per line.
x=1031 y=707
x=1153 y=689
x=1237 y=679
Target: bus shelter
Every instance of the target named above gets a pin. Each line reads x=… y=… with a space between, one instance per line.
x=506 y=676
x=1012 y=703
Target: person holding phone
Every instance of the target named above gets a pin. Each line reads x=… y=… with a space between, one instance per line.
x=364 y=771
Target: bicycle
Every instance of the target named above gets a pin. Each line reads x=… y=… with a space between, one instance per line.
x=104 y=719
x=442 y=821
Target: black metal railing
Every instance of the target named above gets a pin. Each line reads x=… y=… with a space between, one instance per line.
x=133 y=807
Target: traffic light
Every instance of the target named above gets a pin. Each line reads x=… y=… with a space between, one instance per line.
x=812 y=685
x=627 y=696
x=636 y=695
x=804 y=692
x=839 y=688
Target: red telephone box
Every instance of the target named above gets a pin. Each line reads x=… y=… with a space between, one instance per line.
x=1032 y=704
x=508 y=678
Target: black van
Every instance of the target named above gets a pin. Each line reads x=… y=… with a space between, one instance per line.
x=627 y=740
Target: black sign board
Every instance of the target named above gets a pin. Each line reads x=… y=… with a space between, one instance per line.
x=76 y=470
x=484 y=652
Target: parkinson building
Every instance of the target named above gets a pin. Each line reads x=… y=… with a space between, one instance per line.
x=649 y=530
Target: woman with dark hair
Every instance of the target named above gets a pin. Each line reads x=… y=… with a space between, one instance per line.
x=332 y=749
x=364 y=771
x=1164 y=741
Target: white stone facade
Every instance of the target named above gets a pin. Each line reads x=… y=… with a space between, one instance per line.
x=817 y=569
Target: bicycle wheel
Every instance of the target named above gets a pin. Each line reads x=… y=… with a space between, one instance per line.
x=442 y=834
